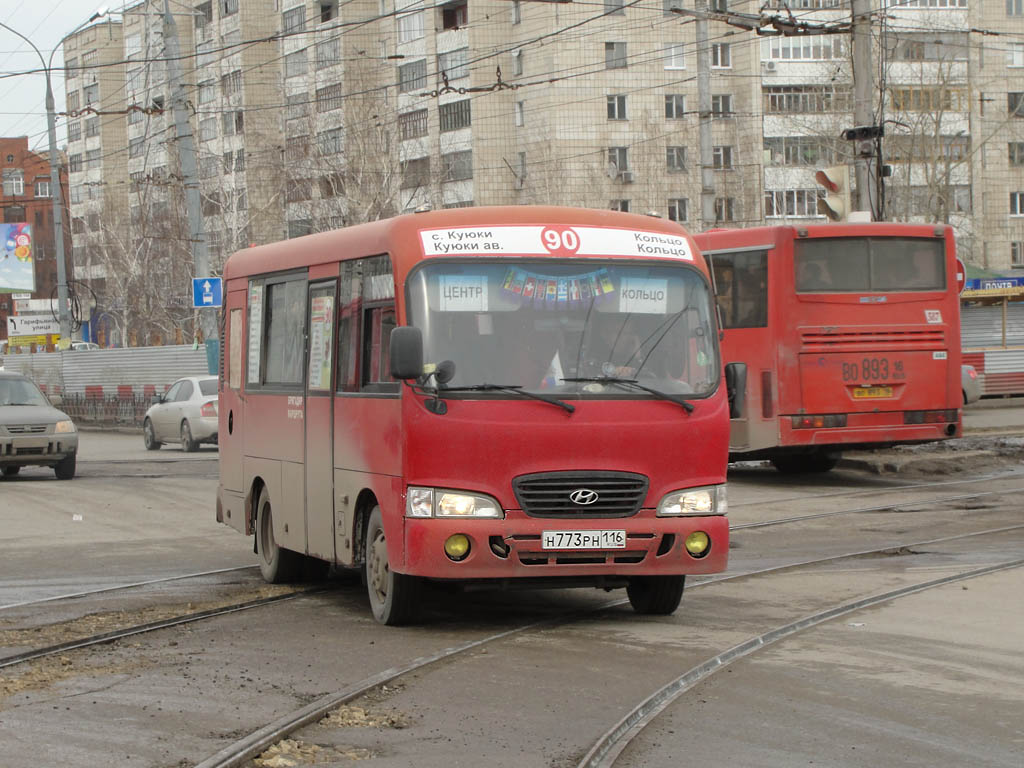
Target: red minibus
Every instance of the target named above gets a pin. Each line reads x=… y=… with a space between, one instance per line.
x=837 y=336
x=513 y=396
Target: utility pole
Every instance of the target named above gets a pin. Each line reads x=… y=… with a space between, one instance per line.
x=863 y=87
x=187 y=158
x=707 y=171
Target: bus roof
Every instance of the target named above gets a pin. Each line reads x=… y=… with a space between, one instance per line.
x=714 y=239
x=381 y=236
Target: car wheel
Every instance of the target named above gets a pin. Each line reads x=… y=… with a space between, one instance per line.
x=277 y=564
x=394 y=597
x=187 y=443
x=12 y=470
x=655 y=595
x=65 y=468
x=149 y=436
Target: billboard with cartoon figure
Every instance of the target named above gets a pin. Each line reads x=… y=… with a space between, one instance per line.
x=17 y=271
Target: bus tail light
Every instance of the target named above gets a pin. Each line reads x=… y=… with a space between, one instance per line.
x=929 y=417
x=819 y=422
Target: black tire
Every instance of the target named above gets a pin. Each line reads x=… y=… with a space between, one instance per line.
x=188 y=445
x=655 y=595
x=149 y=436
x=65 y=468
x=11 y=470
x=798 y=463
x=277 y=564
x=394 y=597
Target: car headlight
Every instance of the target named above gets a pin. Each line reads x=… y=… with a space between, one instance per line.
x=440 y=502
x=709 y=500
x=64 y=426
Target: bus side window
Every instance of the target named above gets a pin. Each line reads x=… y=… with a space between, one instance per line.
x=378 y=323
x=351 y=305
x=367 y=315
x=742 y=282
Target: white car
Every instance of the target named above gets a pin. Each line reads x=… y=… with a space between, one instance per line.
x=84 y=345
x=186 y=414
x=969 y=383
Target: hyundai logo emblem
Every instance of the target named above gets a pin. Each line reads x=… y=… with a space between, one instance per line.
x=583 y=496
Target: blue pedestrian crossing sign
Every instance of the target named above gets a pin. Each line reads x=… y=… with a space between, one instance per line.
x=207 y=292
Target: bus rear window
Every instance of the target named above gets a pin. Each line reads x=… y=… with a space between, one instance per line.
x=876 y=265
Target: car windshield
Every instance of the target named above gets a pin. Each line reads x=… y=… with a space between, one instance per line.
x=539 y=324
x=208 y=387
x=20 y=392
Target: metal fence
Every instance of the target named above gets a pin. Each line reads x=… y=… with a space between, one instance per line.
x=108 y=410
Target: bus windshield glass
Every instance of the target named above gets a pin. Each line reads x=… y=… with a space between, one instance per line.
x=535 y=324
x=869 y=264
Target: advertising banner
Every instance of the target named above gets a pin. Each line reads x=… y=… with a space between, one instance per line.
x=17 y=271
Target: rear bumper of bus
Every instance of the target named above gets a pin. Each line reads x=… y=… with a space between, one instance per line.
x=870 y=434
x=511 y=548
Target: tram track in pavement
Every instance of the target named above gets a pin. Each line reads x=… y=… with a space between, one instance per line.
x=244 y=749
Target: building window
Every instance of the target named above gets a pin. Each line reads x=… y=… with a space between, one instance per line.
x=455 y=115
x=803 y=48
x=293 y=20
x=76 y=193
x=674 y=56
x=239 y=160
x=412 y=125
x=927 y=46
x=722 y=158
x=328 y=53
x=75 y=130
x=74 y=100
x=42 y=188
x=802 y=203
x=228 y=7
x=415 y=173
x=1015 y=7
x=227 y=123
x=615 y=55
x=928 y=99
x=412 y=76
x=669 y=7
x=725 y=209
x=298 y=190
x=675 y=159
x=1017 y=254
x=453 y=64
x=617 y=107
x=295 y=63
x=805 y=99
x=455 y=15
x=136 y=147
x=330 y=142
x=75 y=162
x=619 y=205
x=1015 y=104
x=91 y=94
x=721 y=55
x=14 y=182
x=520 y=113
x=721 y=104
x=517 y=12
x=1017 y=203
x=92 y=159
x=457 y=166
x=1015 y=55
x=614 y=8
x=678 y=209
x=517 y=62
x=410 y=23
x=231 y=83
x=618 y=160
x=204 y=15
x=675 y=106
x=802 y=150
x=207 y=92
x=92 y=127
x=208 y=129
x=71 y=67
x=329 y=98
x=1016 y=152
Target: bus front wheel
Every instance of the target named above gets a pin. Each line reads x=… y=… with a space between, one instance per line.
x=655 y=595
x=277 y=564
x=394 y=597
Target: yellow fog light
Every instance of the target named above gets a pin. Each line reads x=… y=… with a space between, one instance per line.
x=698 y=543
x=457 y=546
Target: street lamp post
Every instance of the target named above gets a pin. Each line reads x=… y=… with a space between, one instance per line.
x=63 y=310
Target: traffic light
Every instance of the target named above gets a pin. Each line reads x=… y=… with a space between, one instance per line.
x=836 y=181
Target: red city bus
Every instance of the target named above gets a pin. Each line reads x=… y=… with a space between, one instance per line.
x=520 y=396
x=837 y=336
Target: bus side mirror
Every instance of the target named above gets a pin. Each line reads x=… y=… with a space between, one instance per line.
x=736 y=387
x=406 y=352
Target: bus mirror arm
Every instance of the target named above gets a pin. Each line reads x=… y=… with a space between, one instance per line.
x=736 y=387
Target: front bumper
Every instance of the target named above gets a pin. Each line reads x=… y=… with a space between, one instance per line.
x=511 y=548
x=45 y=449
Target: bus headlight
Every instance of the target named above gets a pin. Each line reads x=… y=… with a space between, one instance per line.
x=440 y=502
x=710 y=500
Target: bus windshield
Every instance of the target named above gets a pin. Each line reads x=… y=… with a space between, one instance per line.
x=869 y=264
x=535 y=324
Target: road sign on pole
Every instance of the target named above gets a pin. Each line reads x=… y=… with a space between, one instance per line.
x=961 y=275
x=207 y=292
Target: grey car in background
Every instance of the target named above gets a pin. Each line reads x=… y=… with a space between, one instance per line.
x=969 y=383
x=32 y=431
x=186 y=414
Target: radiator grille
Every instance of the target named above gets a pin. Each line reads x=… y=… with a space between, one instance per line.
x=547 y=494
x=872 y=340
x=26 y=429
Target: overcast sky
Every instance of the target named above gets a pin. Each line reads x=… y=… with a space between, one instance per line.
x=22 y=97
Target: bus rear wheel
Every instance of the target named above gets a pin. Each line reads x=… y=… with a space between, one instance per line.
x=394 y=597
x=655 y=595
x=817 y=461
x=277 y=564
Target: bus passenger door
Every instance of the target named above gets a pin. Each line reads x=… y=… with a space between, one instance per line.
x=229 y=404
x=319 y=421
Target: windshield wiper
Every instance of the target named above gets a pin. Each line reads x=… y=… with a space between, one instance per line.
x=636 y=385
x=516 y=388
x=22 y=403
